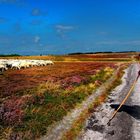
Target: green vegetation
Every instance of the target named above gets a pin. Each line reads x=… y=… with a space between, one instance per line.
x=78 y=125
x=9 y=55
x=49 y=103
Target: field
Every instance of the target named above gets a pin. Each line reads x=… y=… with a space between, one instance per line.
x=33 y=99
x=82 y=57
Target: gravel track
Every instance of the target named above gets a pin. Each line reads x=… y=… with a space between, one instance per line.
x=126 y=124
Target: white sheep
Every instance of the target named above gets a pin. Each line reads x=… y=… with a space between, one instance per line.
x=18 y=64
x=24 y=64
x=49 y=62
x=15 y=65
x=3 y=67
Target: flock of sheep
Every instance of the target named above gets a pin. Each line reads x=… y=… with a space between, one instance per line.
x=6 y=64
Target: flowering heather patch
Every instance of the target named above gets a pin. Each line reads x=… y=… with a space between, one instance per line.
x=12 y=82
x=114 y=55
x=77 y=57
x=13 y=117
x=11 y=110
x=73 y=81
x=51 y=92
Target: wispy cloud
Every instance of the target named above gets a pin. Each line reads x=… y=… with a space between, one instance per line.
x=37 y=39
x=38 y=12
x=16 y=2
x=132 y=42
x=63 y=29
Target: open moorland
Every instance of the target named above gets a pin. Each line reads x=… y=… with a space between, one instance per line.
x=82 y=57
x=33 y=99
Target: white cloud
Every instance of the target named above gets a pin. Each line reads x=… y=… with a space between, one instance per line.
x=63 y=29
x=37 y=39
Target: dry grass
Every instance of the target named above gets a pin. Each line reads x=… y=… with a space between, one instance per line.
x=37 y=97
x=14 y=81
x=82 y=57
x=49 y=100
x=79 y=124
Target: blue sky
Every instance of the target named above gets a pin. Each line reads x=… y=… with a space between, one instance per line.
x=32 y=27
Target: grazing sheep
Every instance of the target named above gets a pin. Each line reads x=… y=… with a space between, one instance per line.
x=19 y=64
x=15 y=65
x=49 y=62
x=24 y=64
x=2 y=67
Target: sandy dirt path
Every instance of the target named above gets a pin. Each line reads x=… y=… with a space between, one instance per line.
x=126 y=124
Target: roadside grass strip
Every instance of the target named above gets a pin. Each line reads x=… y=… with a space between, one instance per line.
x=60 y=130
